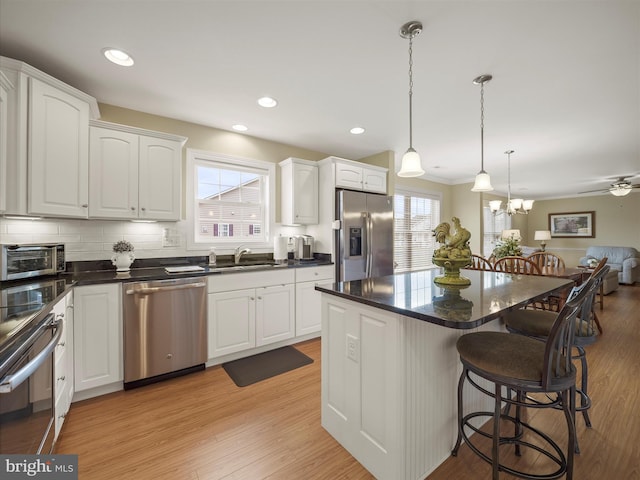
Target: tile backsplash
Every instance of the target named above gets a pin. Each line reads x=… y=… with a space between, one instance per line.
x=93 y=239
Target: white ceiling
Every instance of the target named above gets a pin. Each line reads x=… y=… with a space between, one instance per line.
x=565 y=93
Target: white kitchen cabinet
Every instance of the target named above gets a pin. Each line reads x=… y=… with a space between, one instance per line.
x=47 y=143
x=359 y=176
x=58 y=152
x=134 y=173
x=232 y=322
x=248 y=310
x=63 y=358
x=299 y=192
x=98 y=336
x=308 y=300
x=275 y=313
x=5 y=86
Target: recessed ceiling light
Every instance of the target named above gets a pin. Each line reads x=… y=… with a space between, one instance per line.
x=240 y=128
x=357 y=130
x=117 y=56
x=267 y=102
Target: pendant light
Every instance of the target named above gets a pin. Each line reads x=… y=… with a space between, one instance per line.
x=410 y=165
x=483 y=181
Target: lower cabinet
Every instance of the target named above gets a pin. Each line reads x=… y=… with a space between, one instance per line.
x=308 y=300
x=244 y=318
x=97 y=336
x=63 y=358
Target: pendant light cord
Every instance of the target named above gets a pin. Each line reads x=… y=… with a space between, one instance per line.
x=482 y=127
x=411 y=91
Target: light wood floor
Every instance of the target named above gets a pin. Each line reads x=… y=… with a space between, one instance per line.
x=204 y=427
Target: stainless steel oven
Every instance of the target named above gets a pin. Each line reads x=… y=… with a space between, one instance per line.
x=26 y=388
x=30 y=260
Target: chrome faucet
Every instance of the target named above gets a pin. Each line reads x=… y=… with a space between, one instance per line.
x=239 y=252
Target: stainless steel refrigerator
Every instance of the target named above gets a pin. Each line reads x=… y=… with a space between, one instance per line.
x=364 y=242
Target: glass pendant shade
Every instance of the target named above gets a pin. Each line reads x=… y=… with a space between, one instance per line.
x=516 y=203
x=410 y=165
x=483 y=182
x=494 y=205
x=620 y=191
x=527 y=205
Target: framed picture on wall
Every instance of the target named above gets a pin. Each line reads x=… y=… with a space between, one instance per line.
x=573 y=224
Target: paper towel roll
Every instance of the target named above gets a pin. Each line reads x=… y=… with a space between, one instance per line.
x=280 y=248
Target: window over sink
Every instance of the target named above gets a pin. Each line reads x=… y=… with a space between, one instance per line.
x=230 y=199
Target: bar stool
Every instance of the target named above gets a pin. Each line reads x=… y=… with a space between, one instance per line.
x=537 y=324
x=526 y=366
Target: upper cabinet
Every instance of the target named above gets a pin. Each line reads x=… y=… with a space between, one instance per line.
x=47 y=143
x=360 y=176
x=134 y=173
x=5 y=87
x=58 y=152
x=299 y=192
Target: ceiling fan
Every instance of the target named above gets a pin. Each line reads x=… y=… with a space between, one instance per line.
x=619 y=188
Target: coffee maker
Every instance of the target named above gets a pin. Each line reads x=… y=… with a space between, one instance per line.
x=303 y=247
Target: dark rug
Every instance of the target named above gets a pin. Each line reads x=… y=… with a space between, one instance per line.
x=248 y=370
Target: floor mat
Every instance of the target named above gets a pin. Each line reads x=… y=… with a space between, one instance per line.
x=255 y=368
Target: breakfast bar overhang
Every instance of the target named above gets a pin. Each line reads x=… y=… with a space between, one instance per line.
x=390 y=367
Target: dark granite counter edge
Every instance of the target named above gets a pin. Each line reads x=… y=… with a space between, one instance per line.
x=410 y=313
x=153 y=272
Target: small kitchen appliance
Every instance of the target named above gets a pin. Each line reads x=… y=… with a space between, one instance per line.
x=303 y=247
x=30 y=260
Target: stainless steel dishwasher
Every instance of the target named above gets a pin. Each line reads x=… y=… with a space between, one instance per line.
x=165 y=329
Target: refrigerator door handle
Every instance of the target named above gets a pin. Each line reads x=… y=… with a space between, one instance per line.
x=369 y=233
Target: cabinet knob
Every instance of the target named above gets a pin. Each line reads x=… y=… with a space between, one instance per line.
x=251 y=298
x=62 y=416
x=84 y=205
x=62 y=378
x=169 y=356
x=259 y=298
x=143 y=209
x=133 y=209
x=62 y=344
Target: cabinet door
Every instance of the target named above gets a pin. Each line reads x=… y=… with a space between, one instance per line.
x=113 y=179
x=305 y=194
x=374 y=180
x=348 y=176
x=275 y=312
x=4 y=97
x=231 y=322
x=58 y=152
x=97 y=336
x=160 y=171
x=308 y=307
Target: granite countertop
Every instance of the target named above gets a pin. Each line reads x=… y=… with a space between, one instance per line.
x=414 y=294
x=88 y=273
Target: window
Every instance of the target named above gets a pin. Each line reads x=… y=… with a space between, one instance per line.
x=415 y=215
x=493 y=226
x=230 y=199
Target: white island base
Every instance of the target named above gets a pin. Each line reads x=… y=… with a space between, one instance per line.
x=389 y=388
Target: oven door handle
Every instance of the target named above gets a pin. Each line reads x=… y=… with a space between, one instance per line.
x=11 y=382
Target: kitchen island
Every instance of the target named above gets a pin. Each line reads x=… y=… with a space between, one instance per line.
x=390 y=367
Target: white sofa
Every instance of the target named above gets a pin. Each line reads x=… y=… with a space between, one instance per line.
x=626 y=260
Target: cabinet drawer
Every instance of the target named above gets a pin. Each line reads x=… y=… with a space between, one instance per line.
x=225 y=282
x=309 y=274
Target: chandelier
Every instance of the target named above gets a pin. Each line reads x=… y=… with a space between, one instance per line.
x=514 y=205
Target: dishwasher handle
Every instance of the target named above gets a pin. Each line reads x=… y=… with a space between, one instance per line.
x=149 y=290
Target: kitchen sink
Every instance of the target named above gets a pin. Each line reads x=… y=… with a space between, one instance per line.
x=244 y=267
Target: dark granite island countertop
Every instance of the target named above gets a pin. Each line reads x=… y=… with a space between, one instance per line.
x=414 y=294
